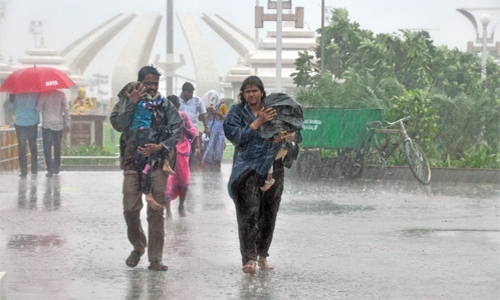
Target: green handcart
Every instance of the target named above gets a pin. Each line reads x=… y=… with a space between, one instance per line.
x=330 y=139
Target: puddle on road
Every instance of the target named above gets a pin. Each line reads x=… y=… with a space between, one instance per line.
x=30 y=242
x=421 y=232
x=322 y=207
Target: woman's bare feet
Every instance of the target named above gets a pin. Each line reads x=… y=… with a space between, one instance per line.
x=166 y=168
x=182 y=212
x=250 y=267
x=151 y=201
x=265 y=187
x=264 y=265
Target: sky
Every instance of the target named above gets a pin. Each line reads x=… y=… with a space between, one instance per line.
x=66 y=20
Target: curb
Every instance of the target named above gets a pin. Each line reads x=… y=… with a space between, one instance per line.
x=437 y=174
x=396 y=173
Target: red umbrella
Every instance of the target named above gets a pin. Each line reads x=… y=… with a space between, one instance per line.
x=36 y=79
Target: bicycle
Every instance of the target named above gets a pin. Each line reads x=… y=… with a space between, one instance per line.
x=415 y=156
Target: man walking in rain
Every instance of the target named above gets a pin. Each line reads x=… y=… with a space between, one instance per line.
x=55 y=121
x=167 y=123
x=193 y=106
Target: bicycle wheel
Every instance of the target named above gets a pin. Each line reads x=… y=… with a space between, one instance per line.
x=417 y=161
x=351 y=163
x=309 y=165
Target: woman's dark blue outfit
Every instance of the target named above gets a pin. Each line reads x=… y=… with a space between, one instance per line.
x=256 y=211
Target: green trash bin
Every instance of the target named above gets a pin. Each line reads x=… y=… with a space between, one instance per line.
x=333 y=128
x=336 y=127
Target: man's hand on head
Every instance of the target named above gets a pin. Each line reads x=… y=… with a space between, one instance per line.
x=136 y=94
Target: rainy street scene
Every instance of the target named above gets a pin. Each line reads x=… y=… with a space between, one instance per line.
x=280 y=149
x=64 y=238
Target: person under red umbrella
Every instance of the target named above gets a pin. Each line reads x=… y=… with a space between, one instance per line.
x=36 y=80
x=55 y=119
x=52 y=103
x=26 y=125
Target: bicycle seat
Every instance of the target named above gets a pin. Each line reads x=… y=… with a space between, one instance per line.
x=373 y=124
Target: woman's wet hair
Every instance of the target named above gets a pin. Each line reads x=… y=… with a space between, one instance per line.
x=174 y=99
x=251 y=80
x=148 y=70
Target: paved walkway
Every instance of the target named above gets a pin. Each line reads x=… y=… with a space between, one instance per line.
x=64 y=238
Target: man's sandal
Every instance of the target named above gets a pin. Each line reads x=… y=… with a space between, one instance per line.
x=133 y=259
x=157 y=266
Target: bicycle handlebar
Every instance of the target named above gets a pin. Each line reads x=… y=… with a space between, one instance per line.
x=398 y=121
x=378 y=123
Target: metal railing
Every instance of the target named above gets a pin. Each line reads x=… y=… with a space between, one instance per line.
x=9 y=150
x=9 y=153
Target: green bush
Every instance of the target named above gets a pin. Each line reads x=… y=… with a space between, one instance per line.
x=86 y=150
x=481 y=159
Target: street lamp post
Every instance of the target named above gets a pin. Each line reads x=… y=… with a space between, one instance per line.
x=484 y=40
x=485 y=20
x=170 y=47
x=279 y=42
x=322 y=36
x=97 y=81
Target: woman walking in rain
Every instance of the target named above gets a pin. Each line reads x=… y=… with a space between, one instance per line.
x=256 y=210
x=178 y=184
x=213 y=149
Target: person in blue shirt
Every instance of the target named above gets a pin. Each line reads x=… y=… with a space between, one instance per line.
x=26 y=124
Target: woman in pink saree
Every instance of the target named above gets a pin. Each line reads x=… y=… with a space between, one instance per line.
x=177 y=185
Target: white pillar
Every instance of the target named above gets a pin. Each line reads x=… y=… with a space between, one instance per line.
x=279 y=32
x=256 y=29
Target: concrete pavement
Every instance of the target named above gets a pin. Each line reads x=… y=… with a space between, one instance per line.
x=64 y=238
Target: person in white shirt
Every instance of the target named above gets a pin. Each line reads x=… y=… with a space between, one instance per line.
x=55 y=120
x=193 y=106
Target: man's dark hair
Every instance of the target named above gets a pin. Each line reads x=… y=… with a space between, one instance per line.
x=148 y=70
x=251 y=80
x=187 y=86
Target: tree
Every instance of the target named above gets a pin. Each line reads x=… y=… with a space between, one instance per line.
x=405 y=72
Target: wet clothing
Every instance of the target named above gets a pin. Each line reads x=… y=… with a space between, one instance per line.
x=140 y=137
x=141 y=134
x=193 y=108
x=26 y=124
x=132 y=205
x=25 y=109
x=251 y=150
x=55 y=116
x=143 y=114
x=256 y=210
x=213 y=149
x=23 y=134
x=289 y=115
x=167 y=124
x=180 y=182
x=51 y=141
x=55 y=110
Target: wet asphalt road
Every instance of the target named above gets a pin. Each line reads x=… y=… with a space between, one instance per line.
x=64 y=238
